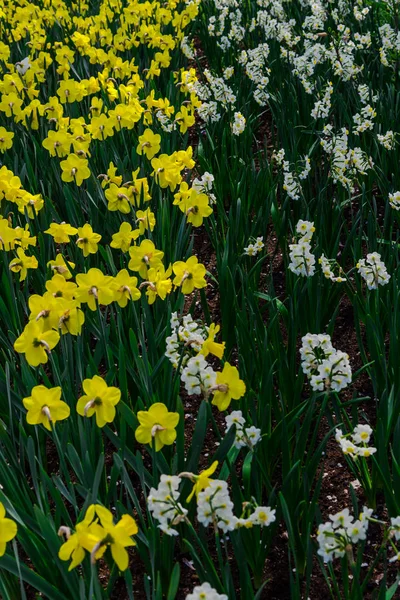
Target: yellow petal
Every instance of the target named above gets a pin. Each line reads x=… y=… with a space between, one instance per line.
x=120 y=556
x=8 y=530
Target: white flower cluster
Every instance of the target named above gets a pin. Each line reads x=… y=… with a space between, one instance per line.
x=327 y=266
x=228 y=72
x=166 y=124
x=307 y=168
x=390 y=44
x=358 y=445
x=365 y=93
x=302 y=261
x=245 y=436
x=291 y=181
x=323 y=106
x=205 y=592
x=394 y=200
x=254 y=248
x=388 y=140
x=360 y=15
x=204 y=185
x=183 y=347
x=198 y=376
x=336 y=536
x=364 y=119
x=164 y=504
x=215 y=95
x=214 y=506
x=186 y=334
x=255 y=61
x=347 y=163
x=326 y=367
x=373 y=271
x=187 y=49
x=208 y=112
x=239 y=124
x=220 y=91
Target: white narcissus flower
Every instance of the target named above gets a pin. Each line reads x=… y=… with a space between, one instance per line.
x=357 y=531
x=373 y=271
x=263 y=515
x=23 y=65
x=341 y=519
x=395 y=527
x=205 y=592
x=394 y=200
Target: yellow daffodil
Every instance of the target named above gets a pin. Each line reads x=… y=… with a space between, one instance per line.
x=158 y=425
x=68 y=91
x=101 y=127
x=228 y=387
x=83 y=539
x=23 y=263
x=11 y=105
x=117 y=536
x=28 y=203
x=70 y=317
x=139 y=189
x=149 y=144
x=61 y=232
x=8 y=529
x=35 y=343
x=110 y=177
x=196 y=207
x=94 y=286
x=99 y=399
x=45 y=406
x=157 y=284
x=43 y=308
x=144 y=257
x=24 y=238
x=88 y=240
x=8 y=235
x=6 y=139
x=118 y=199
x=145 y=220
x=189 y=275
x=123 y=238
x=166 y=171
x=125 y=288
x=75 y=169
x=185 y=118
x=58 y=143
x=211 y=347
x=59 y=287
x=61 y=266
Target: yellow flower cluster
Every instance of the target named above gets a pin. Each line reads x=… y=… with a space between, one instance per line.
x=59 y=309
x=95 y=534
x=70 y=120
x=45 y=406
x=11 y=189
